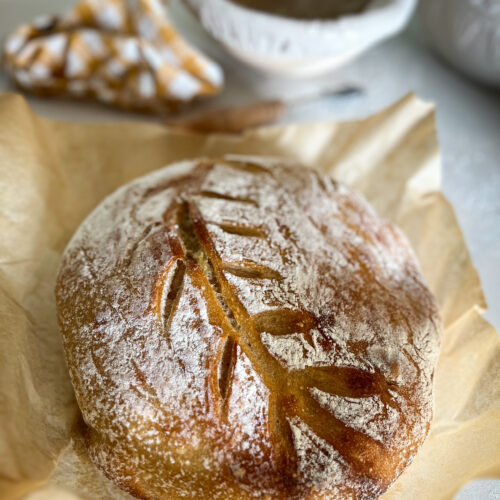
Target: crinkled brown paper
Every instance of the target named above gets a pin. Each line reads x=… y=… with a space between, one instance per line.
x=52 y=174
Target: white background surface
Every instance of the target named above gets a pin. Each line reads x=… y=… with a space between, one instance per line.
x=468 y=122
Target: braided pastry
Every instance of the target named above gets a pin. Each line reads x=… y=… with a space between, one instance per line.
x=124 y=53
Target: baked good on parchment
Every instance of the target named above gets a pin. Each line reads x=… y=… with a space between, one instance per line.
x=242 y=328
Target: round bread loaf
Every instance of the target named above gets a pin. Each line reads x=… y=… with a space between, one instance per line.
x=239 y=328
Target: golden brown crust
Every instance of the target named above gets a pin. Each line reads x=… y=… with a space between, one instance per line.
x=238 y=328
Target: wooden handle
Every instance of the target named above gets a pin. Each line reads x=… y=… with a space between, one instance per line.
x=233 y=120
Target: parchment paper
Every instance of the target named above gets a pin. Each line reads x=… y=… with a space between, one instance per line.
x=53 y=174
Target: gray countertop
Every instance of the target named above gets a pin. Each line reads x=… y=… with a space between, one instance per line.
x=468 y=123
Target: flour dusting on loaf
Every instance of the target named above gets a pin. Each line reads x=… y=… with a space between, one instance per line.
x=243 y=328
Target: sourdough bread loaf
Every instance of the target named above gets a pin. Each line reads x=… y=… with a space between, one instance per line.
x=242 y=328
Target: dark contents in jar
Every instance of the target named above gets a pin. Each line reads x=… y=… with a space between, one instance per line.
x=306 y=9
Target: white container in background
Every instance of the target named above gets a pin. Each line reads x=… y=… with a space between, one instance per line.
x=467 y=34
x=299 y=47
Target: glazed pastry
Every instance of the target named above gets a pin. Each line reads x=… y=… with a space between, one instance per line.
x=242 y=328
x=123 y=53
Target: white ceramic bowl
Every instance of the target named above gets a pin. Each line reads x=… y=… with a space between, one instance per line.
x=296 y=47
x=467 y=34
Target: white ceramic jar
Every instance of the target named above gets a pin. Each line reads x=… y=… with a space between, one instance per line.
x=467 y=34
x=299 y=47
